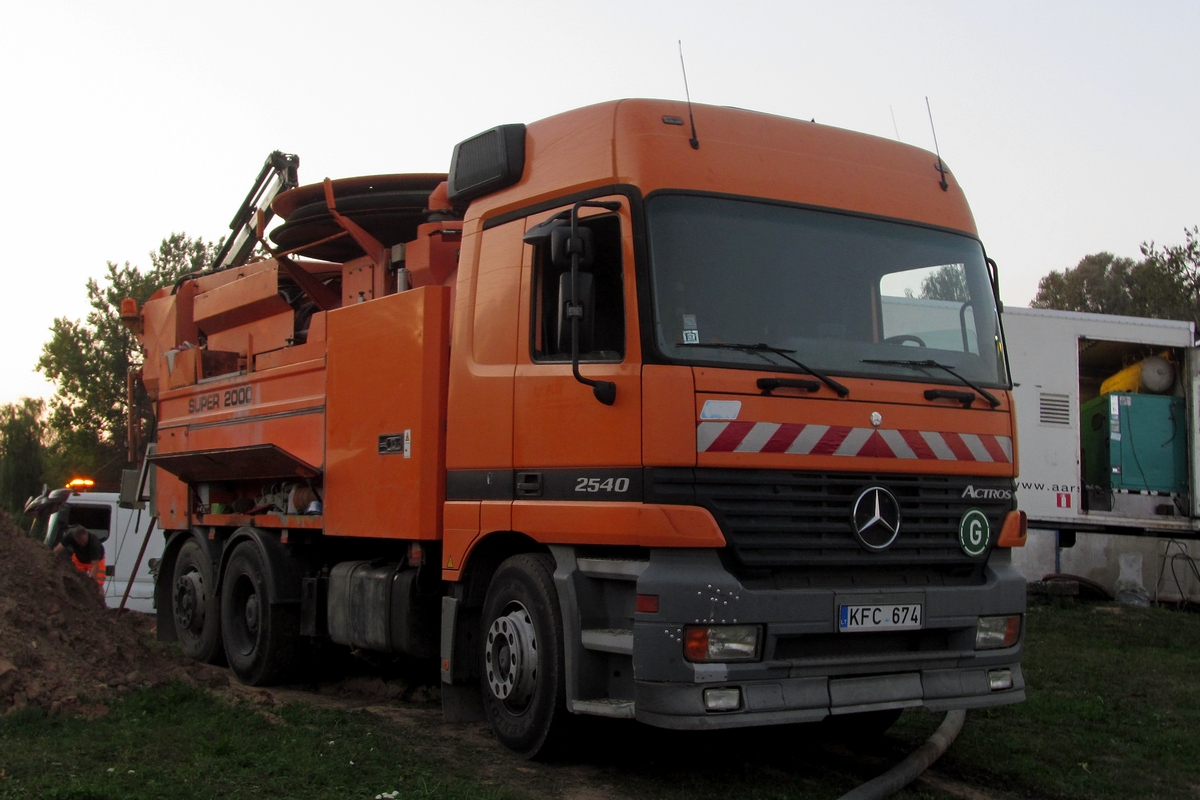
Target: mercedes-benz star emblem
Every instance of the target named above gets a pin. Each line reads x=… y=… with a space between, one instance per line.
x=876 y=518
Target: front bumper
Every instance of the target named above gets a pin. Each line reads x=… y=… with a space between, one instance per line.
x=809 y=670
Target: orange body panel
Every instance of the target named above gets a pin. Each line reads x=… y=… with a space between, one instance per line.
x=741 y=153
x=460 y=524
x=239 y=302
x=479 y=410
x=641 y=524
x=1015 y=530
x=669 y=432
x=254 y=337
x=166 y=324
x=558 y=422
x=432 y=257
x=554 y=522
x=171 y=499
x=387 y=366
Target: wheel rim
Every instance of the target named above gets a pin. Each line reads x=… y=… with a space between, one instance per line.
x=511 y=657
x=245 y=616
x=189 y=602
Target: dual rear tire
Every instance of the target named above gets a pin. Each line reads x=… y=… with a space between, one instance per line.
x=237 y=623
x=261 y=638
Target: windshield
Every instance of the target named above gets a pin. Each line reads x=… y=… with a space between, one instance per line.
x=837 y=290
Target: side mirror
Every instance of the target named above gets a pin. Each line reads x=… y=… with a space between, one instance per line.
x=563 y=245
x=587 y=301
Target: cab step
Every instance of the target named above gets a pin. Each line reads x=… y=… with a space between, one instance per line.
x=608 y=707
x=608 y=640
x=613 y=569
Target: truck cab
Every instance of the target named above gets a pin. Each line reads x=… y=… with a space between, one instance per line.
x=811 y=411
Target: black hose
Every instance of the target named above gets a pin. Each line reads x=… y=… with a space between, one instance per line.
x=911 y=767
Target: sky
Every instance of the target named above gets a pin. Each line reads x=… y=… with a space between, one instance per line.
x=1071 y=126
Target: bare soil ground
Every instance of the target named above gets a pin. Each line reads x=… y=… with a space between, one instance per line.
x=60 y=647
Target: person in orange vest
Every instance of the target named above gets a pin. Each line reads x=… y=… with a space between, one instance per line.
x=87 y=552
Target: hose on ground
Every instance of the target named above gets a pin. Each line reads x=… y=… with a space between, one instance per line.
x=917 y=762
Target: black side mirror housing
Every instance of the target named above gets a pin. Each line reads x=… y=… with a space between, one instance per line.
x=563 y=244
x=587 y=301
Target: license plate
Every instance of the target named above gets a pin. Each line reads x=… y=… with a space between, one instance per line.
x=882 y=617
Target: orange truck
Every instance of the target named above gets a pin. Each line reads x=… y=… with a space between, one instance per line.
x=703 y=421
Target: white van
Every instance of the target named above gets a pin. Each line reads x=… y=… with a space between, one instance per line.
x=122 y=531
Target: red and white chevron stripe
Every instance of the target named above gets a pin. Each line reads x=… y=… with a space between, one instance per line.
x=837 y=440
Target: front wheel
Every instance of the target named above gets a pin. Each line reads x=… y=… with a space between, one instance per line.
x=261 y=639
x=194 y=604
x=523 y=681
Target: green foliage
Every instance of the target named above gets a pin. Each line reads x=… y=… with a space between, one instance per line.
x=1113 y=706
x=22 y=452
x=89 y=359
x=1165 y=284
x=947 y=283
x=181 y=742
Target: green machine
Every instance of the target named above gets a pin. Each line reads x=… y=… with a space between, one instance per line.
x=1135 y=442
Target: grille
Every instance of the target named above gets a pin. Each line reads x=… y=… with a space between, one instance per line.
x=1054 y=409
x=774 y=518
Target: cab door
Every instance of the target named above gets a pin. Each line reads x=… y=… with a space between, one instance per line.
x=567 y=445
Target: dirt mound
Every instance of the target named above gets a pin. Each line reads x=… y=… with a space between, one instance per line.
x=60 y=646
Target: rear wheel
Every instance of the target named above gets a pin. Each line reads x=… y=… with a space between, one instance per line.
x=261 y=639
x=194 y=604
x=523 y=682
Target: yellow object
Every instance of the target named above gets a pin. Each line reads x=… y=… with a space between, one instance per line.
x=81 y=483
x=1154 y=374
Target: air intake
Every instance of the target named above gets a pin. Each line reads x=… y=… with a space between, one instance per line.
x=1054 y=409
x=486 y=163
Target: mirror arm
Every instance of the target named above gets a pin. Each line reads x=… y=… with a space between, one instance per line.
x=604 y=391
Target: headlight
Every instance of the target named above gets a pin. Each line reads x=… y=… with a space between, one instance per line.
x=996 y=632
x=720 y=642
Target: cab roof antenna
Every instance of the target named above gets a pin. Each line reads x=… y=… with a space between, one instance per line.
x=694 y=142
x=940 y=167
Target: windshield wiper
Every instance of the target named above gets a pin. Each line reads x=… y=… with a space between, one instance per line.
x=761 y=347
x=984 y=393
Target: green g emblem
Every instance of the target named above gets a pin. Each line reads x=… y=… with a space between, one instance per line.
x=973 y=532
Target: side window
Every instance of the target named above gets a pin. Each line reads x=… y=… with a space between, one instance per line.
x=600 y=290
x=928 y=307
x=96 y=519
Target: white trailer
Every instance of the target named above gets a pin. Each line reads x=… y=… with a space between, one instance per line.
x=1087 y=507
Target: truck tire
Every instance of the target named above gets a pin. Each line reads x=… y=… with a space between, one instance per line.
x=261 y=638
x=195 y=607
x=523 y=680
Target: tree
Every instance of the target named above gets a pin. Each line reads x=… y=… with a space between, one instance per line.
x=1165 y=284
x=949 y=282
x=1180 y=299
x=88 y=361
x=22 y=452
x=1099 y=283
